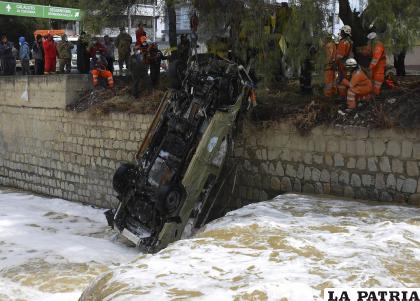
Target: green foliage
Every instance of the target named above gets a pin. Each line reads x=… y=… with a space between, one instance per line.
x=306 y=28
x=246 y=24
x=399 y=20
x=99 y=14
x=15 y=27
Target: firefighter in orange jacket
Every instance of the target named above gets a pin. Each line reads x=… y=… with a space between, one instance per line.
x=99 y=69
x=378 y=62
x=344 y=52
x=329 y=76
x=359 y=86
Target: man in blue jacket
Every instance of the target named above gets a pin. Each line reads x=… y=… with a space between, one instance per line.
x=7 y=59
x=24 y=55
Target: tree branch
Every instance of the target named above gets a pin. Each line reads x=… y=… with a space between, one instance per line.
x=345 y=13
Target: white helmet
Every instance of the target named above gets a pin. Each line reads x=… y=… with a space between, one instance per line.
x=351 y=63
x=346 y=29
x=372 y=35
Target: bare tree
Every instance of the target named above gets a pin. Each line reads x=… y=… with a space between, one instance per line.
x=171 y=12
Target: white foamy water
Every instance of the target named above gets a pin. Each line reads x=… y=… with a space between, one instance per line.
x=287 y=249
x=51 y=249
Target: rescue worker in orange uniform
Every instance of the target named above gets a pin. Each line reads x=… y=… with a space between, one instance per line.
x=344 y=52
x=99 y=70
x=329 y=75
x=359 y=87
x=378 y=62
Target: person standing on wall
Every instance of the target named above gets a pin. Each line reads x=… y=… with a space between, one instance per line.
x=140 y=32
x=123 y=44
x=50 y=52
x=155 y=57
x=83 y=57
x=24 y=55
x=64 y=48
x=7 y=58
x=109 y=52
x=38 y=55
x=138 y=73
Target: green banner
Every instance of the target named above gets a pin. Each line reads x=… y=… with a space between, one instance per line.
x=39 y=11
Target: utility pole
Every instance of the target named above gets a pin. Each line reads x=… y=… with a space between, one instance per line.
x=129 y=19
x=154 y=20
x=334 y=8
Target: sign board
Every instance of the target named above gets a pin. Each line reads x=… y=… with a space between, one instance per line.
x=39 y=11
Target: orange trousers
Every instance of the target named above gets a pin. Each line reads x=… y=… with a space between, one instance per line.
x=330 y=88
x=378 y=76
x=353 y=98
x=96 y=74
x=342 y=90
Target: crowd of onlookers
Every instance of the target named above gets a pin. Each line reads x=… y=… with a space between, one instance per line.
x=91 y=55
x=50 y=54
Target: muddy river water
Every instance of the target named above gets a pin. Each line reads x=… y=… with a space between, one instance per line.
x=287 y=249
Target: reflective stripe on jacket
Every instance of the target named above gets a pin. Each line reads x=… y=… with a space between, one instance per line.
x=344 y=49
x=359 y=83
x=378 y=53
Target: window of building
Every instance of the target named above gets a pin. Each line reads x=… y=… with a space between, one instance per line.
x=145 y=20
x=147 y=2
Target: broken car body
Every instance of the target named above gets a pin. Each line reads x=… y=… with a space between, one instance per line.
x=175 y=181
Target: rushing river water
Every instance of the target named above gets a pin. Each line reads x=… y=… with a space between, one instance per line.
x=287 y=249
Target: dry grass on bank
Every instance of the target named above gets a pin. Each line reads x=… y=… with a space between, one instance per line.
x=102 y=101
x=393 y=108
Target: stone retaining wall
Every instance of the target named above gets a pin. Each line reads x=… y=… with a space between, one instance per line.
x=64 y=154
x=46 y=149
x=380 y=165
x=42 y=91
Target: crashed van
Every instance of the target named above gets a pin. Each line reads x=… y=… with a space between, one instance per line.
x=172 y=187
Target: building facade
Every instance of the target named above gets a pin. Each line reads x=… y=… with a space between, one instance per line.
x=152 y=14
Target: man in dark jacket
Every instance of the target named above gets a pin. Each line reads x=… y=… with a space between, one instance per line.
x=183 y=51
x=109 y=52
x=155 y=57
x=38 y=55
x=138 y=73
x=123 y=44
x=83 y=56
x=8 y=60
